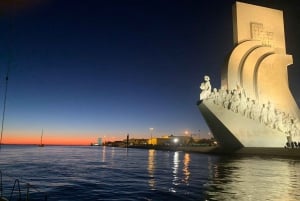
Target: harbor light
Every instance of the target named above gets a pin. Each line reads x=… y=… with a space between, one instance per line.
x=175 y=140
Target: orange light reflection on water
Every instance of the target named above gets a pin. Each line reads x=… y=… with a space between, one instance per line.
x=151 y=168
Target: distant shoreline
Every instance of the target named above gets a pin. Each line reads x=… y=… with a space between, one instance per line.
x=246 y=151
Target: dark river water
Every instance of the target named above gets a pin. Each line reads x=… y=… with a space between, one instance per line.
x=107 y=173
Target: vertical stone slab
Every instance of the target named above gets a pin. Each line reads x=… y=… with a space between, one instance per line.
x=253 y=22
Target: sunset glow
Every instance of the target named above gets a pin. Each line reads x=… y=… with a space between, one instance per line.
x=48 y=139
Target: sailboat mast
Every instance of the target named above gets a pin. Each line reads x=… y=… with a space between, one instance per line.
x=42 y=137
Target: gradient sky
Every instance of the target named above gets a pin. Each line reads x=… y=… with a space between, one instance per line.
x=84 y=69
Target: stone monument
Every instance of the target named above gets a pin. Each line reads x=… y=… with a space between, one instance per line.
x=254 y=106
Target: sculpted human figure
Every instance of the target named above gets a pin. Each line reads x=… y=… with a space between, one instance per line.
x=215 y=96
x=279 y=124
x=205 y=87
x=222 y=95
x=256 y=111
x=289 y=128
x=243 y=103
x=253 y=110
x=248 y=107
x=297 y=129
x=264 y=115
x=297 y=123
x=234 y=101
x=271 y=114
x=293 y=129
x=227 y=99
x=285 y=117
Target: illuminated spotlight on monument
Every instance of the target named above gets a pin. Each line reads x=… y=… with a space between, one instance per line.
x=254 y=106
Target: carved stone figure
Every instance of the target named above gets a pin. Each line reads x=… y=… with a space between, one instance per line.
x=234 y=101
x=222 y=95
x=215 y=96
x=256 y=110
x=264 y=115
x=248 y=108
x=243 y=103
x=205 y=87
x=271 y=114
x=227 y=99
x=279 y=125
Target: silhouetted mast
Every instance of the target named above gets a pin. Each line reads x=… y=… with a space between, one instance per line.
x=42 y=136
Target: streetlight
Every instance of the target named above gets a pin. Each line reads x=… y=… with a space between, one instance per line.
x=151 y=130
x=175 y=141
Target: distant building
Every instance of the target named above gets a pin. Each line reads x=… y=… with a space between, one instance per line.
x=137 y=142
x=99 y=142
x=159 y=141
x=179 y=140
x=170 y=140
x=118 y=144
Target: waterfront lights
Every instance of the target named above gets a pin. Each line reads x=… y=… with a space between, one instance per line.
x=151 y=130
x=175 y=140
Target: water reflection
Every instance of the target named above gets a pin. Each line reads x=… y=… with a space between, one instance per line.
x=103 y=153
x=178 y=177
x=253 y=179
x=112 y=152
x=180 y=170
x=186 y=171
x=175 y=168
x=151 y=168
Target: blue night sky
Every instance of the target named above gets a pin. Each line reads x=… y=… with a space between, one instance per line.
x=83 y=69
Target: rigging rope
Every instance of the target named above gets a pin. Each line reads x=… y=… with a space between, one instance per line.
x=4 y=108
x=9 y=63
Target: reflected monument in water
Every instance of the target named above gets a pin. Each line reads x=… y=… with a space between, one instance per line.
x=254 y=106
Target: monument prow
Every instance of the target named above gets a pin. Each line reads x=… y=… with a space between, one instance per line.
x=254 y=106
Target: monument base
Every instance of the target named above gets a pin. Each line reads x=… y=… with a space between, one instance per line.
x=234 y=131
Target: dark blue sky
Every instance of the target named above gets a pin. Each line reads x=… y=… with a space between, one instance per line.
x=114 y=67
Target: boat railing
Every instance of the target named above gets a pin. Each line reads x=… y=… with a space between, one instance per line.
x=16 y=192
x=17 y=182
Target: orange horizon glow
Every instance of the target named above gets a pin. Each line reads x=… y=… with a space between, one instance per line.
x=33 y=137
x=49 y=140
x=54 y=138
